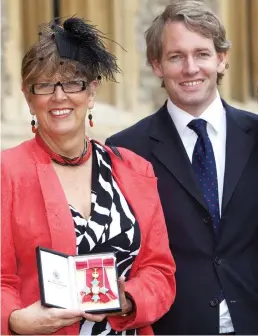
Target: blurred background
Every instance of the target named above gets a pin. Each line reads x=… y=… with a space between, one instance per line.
x=138 y=92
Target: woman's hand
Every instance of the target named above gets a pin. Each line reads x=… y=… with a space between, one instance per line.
x=126 y=305
x=36 y=319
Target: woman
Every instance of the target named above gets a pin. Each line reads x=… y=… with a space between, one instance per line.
x=67 y=193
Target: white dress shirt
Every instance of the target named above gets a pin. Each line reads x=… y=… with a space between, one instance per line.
x=216 y=127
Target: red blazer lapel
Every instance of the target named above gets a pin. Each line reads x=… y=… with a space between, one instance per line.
x=139 y=190
x=57 y=210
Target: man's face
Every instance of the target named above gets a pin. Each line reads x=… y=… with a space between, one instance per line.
x=189 y=67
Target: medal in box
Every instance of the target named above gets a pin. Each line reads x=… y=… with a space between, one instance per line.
x=86 y=282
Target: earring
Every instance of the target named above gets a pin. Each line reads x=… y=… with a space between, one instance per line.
x=90 y=119
x=33 y=123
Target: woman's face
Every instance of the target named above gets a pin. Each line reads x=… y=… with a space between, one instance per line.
x=60 y=113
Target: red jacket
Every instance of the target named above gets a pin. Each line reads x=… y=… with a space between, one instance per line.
x=35 y=212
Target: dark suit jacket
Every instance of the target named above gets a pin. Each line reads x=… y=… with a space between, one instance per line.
x=204 y=263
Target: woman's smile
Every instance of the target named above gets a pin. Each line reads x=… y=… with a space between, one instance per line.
x=61 y=113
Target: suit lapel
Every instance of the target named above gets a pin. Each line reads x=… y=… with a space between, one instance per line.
x=170 y=151
x=239 y=144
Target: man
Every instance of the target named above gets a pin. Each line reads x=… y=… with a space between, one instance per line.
x=205 y=155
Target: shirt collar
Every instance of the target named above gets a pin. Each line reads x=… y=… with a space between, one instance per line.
x=214 y=115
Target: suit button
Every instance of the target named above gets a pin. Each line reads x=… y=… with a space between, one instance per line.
x=214 y=302
x=206 y=220
x=218 y=261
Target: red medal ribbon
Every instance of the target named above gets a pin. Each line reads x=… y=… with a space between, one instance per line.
x=94 y=263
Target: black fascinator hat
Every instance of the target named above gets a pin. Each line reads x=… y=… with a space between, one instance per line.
x=74 y=47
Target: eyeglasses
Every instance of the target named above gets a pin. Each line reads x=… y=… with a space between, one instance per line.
x=49 y=88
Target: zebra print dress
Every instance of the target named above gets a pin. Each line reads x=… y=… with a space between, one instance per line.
x=111 y=227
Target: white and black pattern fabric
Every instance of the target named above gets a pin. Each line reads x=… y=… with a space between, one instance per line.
x=111 y=227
